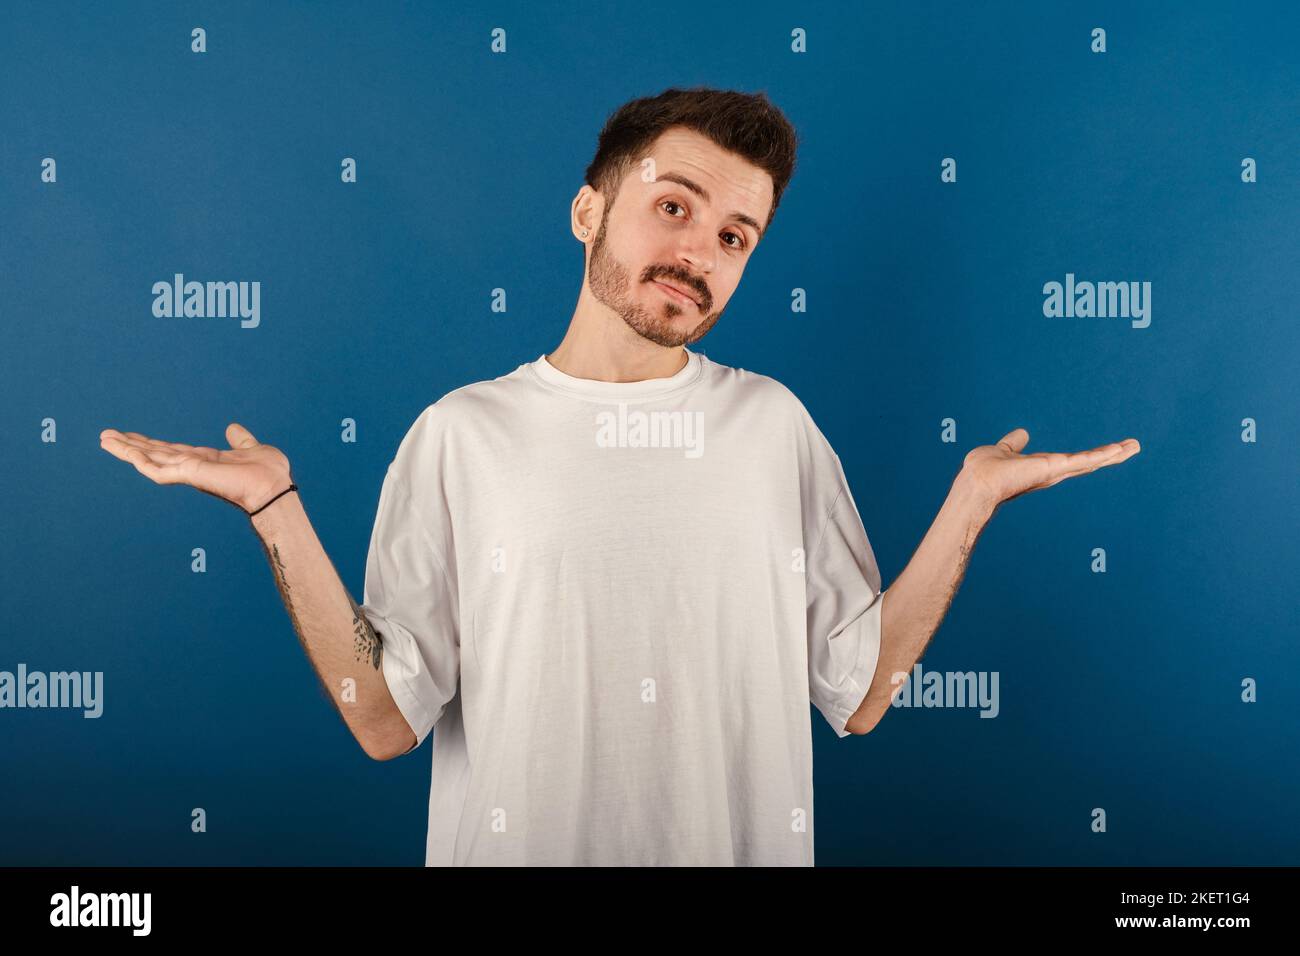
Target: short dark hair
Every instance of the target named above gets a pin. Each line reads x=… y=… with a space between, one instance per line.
x=747 y=124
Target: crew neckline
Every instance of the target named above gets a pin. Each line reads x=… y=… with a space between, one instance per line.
x=551 y=376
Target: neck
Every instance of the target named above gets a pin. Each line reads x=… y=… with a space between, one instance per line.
x=598 y=345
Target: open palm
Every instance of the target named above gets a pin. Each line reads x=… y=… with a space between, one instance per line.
x=1003 y=473
x=247 y=475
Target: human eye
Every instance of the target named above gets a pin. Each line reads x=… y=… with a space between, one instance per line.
x=740 y=244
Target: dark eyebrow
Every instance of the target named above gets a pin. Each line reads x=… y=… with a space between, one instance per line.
x=703 y=194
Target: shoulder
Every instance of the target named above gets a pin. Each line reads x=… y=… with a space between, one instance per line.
x=766 y=395
x=468 y=402
x=786 y=424
x=754 y=388
x=458 y=412
x=788 y=432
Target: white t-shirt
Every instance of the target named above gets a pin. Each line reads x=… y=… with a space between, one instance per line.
x=616 y=600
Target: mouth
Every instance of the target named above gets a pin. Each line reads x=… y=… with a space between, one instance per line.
x=676 y=292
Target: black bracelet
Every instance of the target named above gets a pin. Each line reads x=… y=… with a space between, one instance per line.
x=292 y=487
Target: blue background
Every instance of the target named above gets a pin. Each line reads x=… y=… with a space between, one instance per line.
x=1118 y=690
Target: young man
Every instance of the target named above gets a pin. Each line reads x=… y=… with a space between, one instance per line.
x=615 y=578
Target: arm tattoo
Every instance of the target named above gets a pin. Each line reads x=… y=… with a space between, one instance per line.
x=964 y=553
x=281 y=582
x=368 y=643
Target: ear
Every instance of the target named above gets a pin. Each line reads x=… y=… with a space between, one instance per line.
x=585 y=213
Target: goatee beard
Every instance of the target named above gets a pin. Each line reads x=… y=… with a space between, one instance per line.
x=611 y=284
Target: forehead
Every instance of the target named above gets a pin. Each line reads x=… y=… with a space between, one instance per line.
x=731 y=180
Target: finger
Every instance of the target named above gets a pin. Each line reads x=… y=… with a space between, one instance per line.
x=145 y=443
x=113 y=445
x=1084 y=462
x=161 y=456
x=157 y=444
x=175 y=447
x=129 y=438
x=239 y=436
x=1104 y=455
x=150 y=445
x=1014 y=440
x=161 y=473
x=122 y=449
x=120 y=445
x=126 y=438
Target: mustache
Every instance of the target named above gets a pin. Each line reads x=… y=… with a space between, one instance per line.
x=696 y=286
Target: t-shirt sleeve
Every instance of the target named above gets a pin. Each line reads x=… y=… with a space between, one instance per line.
x=410 y=600
x=844 y=611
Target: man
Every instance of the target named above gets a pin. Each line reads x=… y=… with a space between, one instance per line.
x=615 y=578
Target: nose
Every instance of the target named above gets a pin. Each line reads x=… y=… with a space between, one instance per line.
x=697 y=248
x=698 y=261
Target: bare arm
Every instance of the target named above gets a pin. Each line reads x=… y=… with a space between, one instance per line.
x=337 y=637
x=917 y=601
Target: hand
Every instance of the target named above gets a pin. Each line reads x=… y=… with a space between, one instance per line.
x=999 y=472
x=247 y=476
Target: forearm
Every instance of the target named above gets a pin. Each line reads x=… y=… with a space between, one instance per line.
x=337 y=637
x=919 y=597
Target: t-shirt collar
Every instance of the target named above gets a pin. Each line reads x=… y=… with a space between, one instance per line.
x=593 y=388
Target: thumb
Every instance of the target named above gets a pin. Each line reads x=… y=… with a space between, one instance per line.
x=1015 y=440
x=239 y=436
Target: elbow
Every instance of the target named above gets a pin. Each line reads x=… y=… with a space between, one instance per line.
x=378 y=753
x=388 y=747
x=388 y=736
x=864 y=721
x=857 y=726
x=374 y=749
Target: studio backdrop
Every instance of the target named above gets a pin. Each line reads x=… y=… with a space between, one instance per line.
x=1081 y=219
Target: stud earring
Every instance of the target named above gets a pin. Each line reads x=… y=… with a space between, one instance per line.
x=584 y=233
